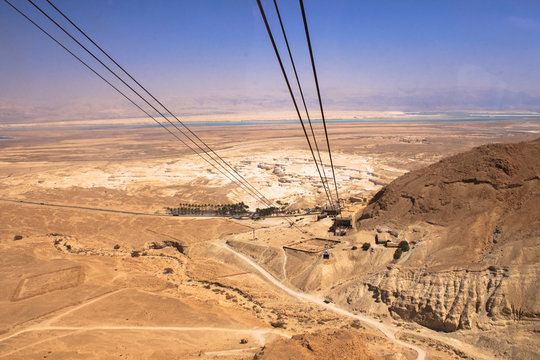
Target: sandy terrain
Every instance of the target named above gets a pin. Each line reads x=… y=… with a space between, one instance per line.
x=96 y=284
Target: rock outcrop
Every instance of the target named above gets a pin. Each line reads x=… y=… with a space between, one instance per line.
x=474 y=222
x=460 y=299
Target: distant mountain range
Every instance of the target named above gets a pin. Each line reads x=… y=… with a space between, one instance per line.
x=236 y=102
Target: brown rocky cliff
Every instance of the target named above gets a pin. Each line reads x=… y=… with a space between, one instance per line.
x=482 y=197
x=474 y=222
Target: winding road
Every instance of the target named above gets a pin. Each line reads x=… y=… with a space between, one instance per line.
x=385 y=329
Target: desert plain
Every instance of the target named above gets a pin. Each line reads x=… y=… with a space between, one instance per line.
x=92 y=266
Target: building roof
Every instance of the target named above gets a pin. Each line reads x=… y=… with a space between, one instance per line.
x=352 y=209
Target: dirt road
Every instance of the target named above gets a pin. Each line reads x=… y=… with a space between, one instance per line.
x=385 y=329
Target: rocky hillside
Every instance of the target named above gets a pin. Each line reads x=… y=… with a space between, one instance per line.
x=473 y=220
x=485 y=196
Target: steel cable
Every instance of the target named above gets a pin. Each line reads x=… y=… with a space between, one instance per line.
x=318 y=94
x=137 y=93
x=261 y=199
x=159 y=102
x=290 y=89
x=123 y=94
x=325 y=182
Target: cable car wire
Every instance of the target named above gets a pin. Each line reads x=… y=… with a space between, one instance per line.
x=325 y=182
x=127 y=97
x=290 y=89
x=228 y=169
x=241 y=185
x=318 y=93
x=154 y=98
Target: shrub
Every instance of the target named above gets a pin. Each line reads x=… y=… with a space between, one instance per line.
x=398 y=253
x=135 y=253
x=278 y=324
x=176 y=245
x=354 y=248
x=17 y=237
x=116 y=247
x=167 y=271
x=357 y=325
x=366 y=246
x=404 y=245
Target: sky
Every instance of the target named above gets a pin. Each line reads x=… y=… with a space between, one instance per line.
x=206 y=56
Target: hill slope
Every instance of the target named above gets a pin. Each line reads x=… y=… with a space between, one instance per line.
x=474 y=223
x=480 y=199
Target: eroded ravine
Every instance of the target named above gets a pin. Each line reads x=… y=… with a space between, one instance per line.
x=385 y=329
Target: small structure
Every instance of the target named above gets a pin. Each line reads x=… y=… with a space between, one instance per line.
x=326 y=254
x=387 y=239
x=383 y=238
x=331 y=211
x=349 y=216
x=391 y=244
x=321 y=216
x=312 y=246
x=358 y=199
x=343 y=222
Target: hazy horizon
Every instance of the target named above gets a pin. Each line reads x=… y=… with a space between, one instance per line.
x=215 y=57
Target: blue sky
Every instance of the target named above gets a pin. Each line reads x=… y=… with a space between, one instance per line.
x=214 y=55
